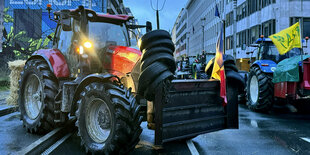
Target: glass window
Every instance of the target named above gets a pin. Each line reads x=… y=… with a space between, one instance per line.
x=306 y=30
x=269 y=27
x=103 y=34
x=64 y=40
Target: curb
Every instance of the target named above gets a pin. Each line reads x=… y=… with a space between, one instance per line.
x=7 y=110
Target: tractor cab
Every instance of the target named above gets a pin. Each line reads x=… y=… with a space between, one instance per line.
x=94 y=42
x=268 y=51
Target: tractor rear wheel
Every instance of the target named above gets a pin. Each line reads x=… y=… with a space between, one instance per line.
x=38 y=88
x=108 y=119
x=259 y=90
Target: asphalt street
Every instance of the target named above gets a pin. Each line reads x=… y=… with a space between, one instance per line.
x=279 y=132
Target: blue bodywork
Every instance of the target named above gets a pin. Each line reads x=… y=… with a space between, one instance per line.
x=271 y=64
x=266 y=69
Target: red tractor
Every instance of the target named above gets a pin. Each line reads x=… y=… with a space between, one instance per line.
x=92 y=74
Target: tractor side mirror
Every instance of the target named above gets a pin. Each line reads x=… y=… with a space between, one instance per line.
x=148 y=26
x=65 y=20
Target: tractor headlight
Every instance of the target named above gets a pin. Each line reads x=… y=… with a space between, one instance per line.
x=88 y=44
x=139 y=43
x=81 y=50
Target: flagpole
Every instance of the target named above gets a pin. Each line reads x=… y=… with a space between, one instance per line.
x=224 y=39
x=302 y=48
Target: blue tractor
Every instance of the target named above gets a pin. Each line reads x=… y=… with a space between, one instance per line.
x=259 y=88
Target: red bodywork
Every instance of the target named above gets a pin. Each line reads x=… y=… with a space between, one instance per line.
x=306 y=75
x=56 y=60
x=285 y=89
x=289 y=89
x=122 y=60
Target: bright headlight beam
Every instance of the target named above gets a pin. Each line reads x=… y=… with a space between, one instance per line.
x=139 y=43
x=87 y=44
x=81 y=50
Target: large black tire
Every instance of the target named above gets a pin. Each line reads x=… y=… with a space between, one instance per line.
x=156 y=50
x=40 y=119
x=152 y=36
x=157 y=63
x=263 y=100
x=165 y=58
x=149 y=93
x=160 y=42
x=232 y=102
x=119 y=120
x=148 y=75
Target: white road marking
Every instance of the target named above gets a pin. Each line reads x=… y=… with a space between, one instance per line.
x=192 y=147
x=55 y=145
x=305 y=139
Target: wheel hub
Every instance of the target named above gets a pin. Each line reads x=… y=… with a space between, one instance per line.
x=32 y=96
x=98 y=120
x=254 y=89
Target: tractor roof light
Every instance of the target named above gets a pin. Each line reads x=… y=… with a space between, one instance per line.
x=49 y=7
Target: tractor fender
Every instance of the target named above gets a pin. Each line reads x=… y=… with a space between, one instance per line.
x=235 y=76
x=55 y=60
x=266 y=66
x=104 y=77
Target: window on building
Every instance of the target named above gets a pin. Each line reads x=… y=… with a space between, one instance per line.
x=306 y=30
x=242 y=38
x=254 y=33
x=305 y=26
x=229 y=42
x=229 y=19
x=242 y=11
x=267 y=2
x=252 y=5
x=269 y=28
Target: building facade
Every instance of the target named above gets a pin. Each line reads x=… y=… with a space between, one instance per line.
x=1 y=23
x=179 y=34
x=32 y=17
x=263 y=17
x=197 y=28
x=253 y=18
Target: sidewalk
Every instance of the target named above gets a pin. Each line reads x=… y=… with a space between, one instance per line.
x=4 y=108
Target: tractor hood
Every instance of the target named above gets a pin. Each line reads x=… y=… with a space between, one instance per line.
x=267 y=66
x=119 y=60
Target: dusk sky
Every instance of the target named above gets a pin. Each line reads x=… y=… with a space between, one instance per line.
x=143 y=11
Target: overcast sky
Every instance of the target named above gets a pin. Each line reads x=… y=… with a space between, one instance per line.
x=143 y=11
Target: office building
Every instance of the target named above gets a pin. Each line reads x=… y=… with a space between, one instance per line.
x=253 y=18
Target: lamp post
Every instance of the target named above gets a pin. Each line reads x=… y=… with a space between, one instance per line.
x=203 y=32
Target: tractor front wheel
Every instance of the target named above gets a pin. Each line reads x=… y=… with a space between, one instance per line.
x=38 y=87
x=259 y=90
x=108 y=119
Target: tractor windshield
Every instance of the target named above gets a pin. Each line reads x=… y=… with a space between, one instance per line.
x=269 y=51
x=106 y=34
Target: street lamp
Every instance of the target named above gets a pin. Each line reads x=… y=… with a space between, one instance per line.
x=203 y=32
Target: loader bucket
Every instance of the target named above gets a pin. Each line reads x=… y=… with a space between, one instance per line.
x=190 y=108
